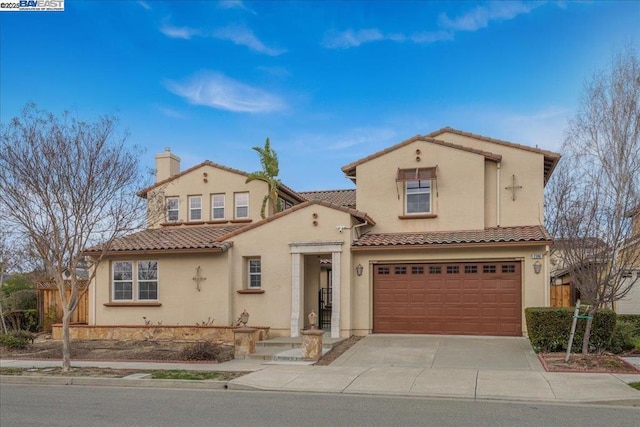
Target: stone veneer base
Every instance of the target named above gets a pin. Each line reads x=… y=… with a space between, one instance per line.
x=222 y=334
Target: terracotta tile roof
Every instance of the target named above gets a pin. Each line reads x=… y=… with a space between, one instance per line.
x=350 y=168
x=346 y=198
x=362 y=216
x=283 y=188
x=179 y=238
x=551 y=158
x=533 y=233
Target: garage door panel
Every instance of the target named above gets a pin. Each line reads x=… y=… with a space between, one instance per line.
x=456 y=298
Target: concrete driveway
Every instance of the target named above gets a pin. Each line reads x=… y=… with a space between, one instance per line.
x=442 y=351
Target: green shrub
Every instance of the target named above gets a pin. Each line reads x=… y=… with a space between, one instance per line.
x=13 y=340
x=631 y=318
x=625 y=337
x=549 y=329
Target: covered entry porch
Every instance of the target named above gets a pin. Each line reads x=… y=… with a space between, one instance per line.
x=314 y=287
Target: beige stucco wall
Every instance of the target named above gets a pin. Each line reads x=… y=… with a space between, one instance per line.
x=534 y=286
x=458 y=196
x=527 y=166
x=217 y=181
x=271 y=242
x=181 y=303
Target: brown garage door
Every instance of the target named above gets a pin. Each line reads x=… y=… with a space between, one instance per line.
x=481 y=298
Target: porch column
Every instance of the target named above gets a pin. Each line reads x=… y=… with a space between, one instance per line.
x=296 y=283
x=335 y=294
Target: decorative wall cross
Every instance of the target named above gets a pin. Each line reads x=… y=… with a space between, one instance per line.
x=513 y=187
x=198 y=278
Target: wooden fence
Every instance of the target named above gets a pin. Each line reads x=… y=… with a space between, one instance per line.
x=561 y=295
x=49 y=303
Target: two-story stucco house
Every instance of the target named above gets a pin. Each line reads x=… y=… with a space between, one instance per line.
x=442 y=235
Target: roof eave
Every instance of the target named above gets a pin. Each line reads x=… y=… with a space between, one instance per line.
x=449 y=245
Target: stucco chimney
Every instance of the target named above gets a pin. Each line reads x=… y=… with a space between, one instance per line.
x=167 y=165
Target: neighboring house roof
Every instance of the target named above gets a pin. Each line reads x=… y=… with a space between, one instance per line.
x=346 y=198
x=193 y=238
x=523 y=234
x=283 y=188
x=551 y=158
x=362 y=216
x=350 y=169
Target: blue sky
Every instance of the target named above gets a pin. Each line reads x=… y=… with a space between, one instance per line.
x=329 y=82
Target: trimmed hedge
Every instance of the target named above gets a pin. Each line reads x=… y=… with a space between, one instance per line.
x=549 y=329
x=631 y=318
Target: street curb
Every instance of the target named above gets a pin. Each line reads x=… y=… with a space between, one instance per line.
x=113 y=382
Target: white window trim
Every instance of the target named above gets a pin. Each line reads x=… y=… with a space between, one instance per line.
x=191 y=209
x=177 y=209
x=114 y=281
x=223 y=207
x=135 y=288
x=157 y=281
x=420 y=191
x=236 y=205
x=251 y=274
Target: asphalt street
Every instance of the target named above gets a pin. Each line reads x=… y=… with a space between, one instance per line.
x=34 y=405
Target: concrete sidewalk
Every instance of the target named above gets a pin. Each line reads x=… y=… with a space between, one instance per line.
x=482 y=384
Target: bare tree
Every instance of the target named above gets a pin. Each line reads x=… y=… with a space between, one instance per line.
x=590 y=199
x=66 y=185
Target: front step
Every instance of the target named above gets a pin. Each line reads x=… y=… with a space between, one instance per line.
x=287 y=349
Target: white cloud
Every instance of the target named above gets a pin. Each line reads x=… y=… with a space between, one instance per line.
x=144 y=4
x=219 y=91
x=350 y=38
x=235 y=4
x=369 y=136
x=275 y=71
x=170 y=112
x=473 y=20
x=179 y=32
x=243 y=36
x=431 y=37
x=481 y=16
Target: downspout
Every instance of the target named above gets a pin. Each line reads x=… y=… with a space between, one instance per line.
x=498 y=194
x=358 y=226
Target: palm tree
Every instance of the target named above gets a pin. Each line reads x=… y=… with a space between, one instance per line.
x=268 y=174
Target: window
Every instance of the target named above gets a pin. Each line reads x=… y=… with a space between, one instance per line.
x=173 y=209
x=417 y=270
x=242 y=205
x=470 y=269
x=418 y=197
x=401 y=270
x=435 y=269
x=123 y=281
x=217 y=206
x=453 y=269
x=488 y=268
x=255 y=273
x=383 y=270
x=508 y=268
x=147 y=280
x=145 y=283
x=195 y=208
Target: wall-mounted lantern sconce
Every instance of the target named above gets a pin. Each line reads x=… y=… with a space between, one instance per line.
x=313 y=320
x=359 y=269
x=537 y=267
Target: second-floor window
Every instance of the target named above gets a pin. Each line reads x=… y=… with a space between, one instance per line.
x=242 y=205
x=418 y=197
x=195 y=208
x=173 y=209
x=217 y=206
